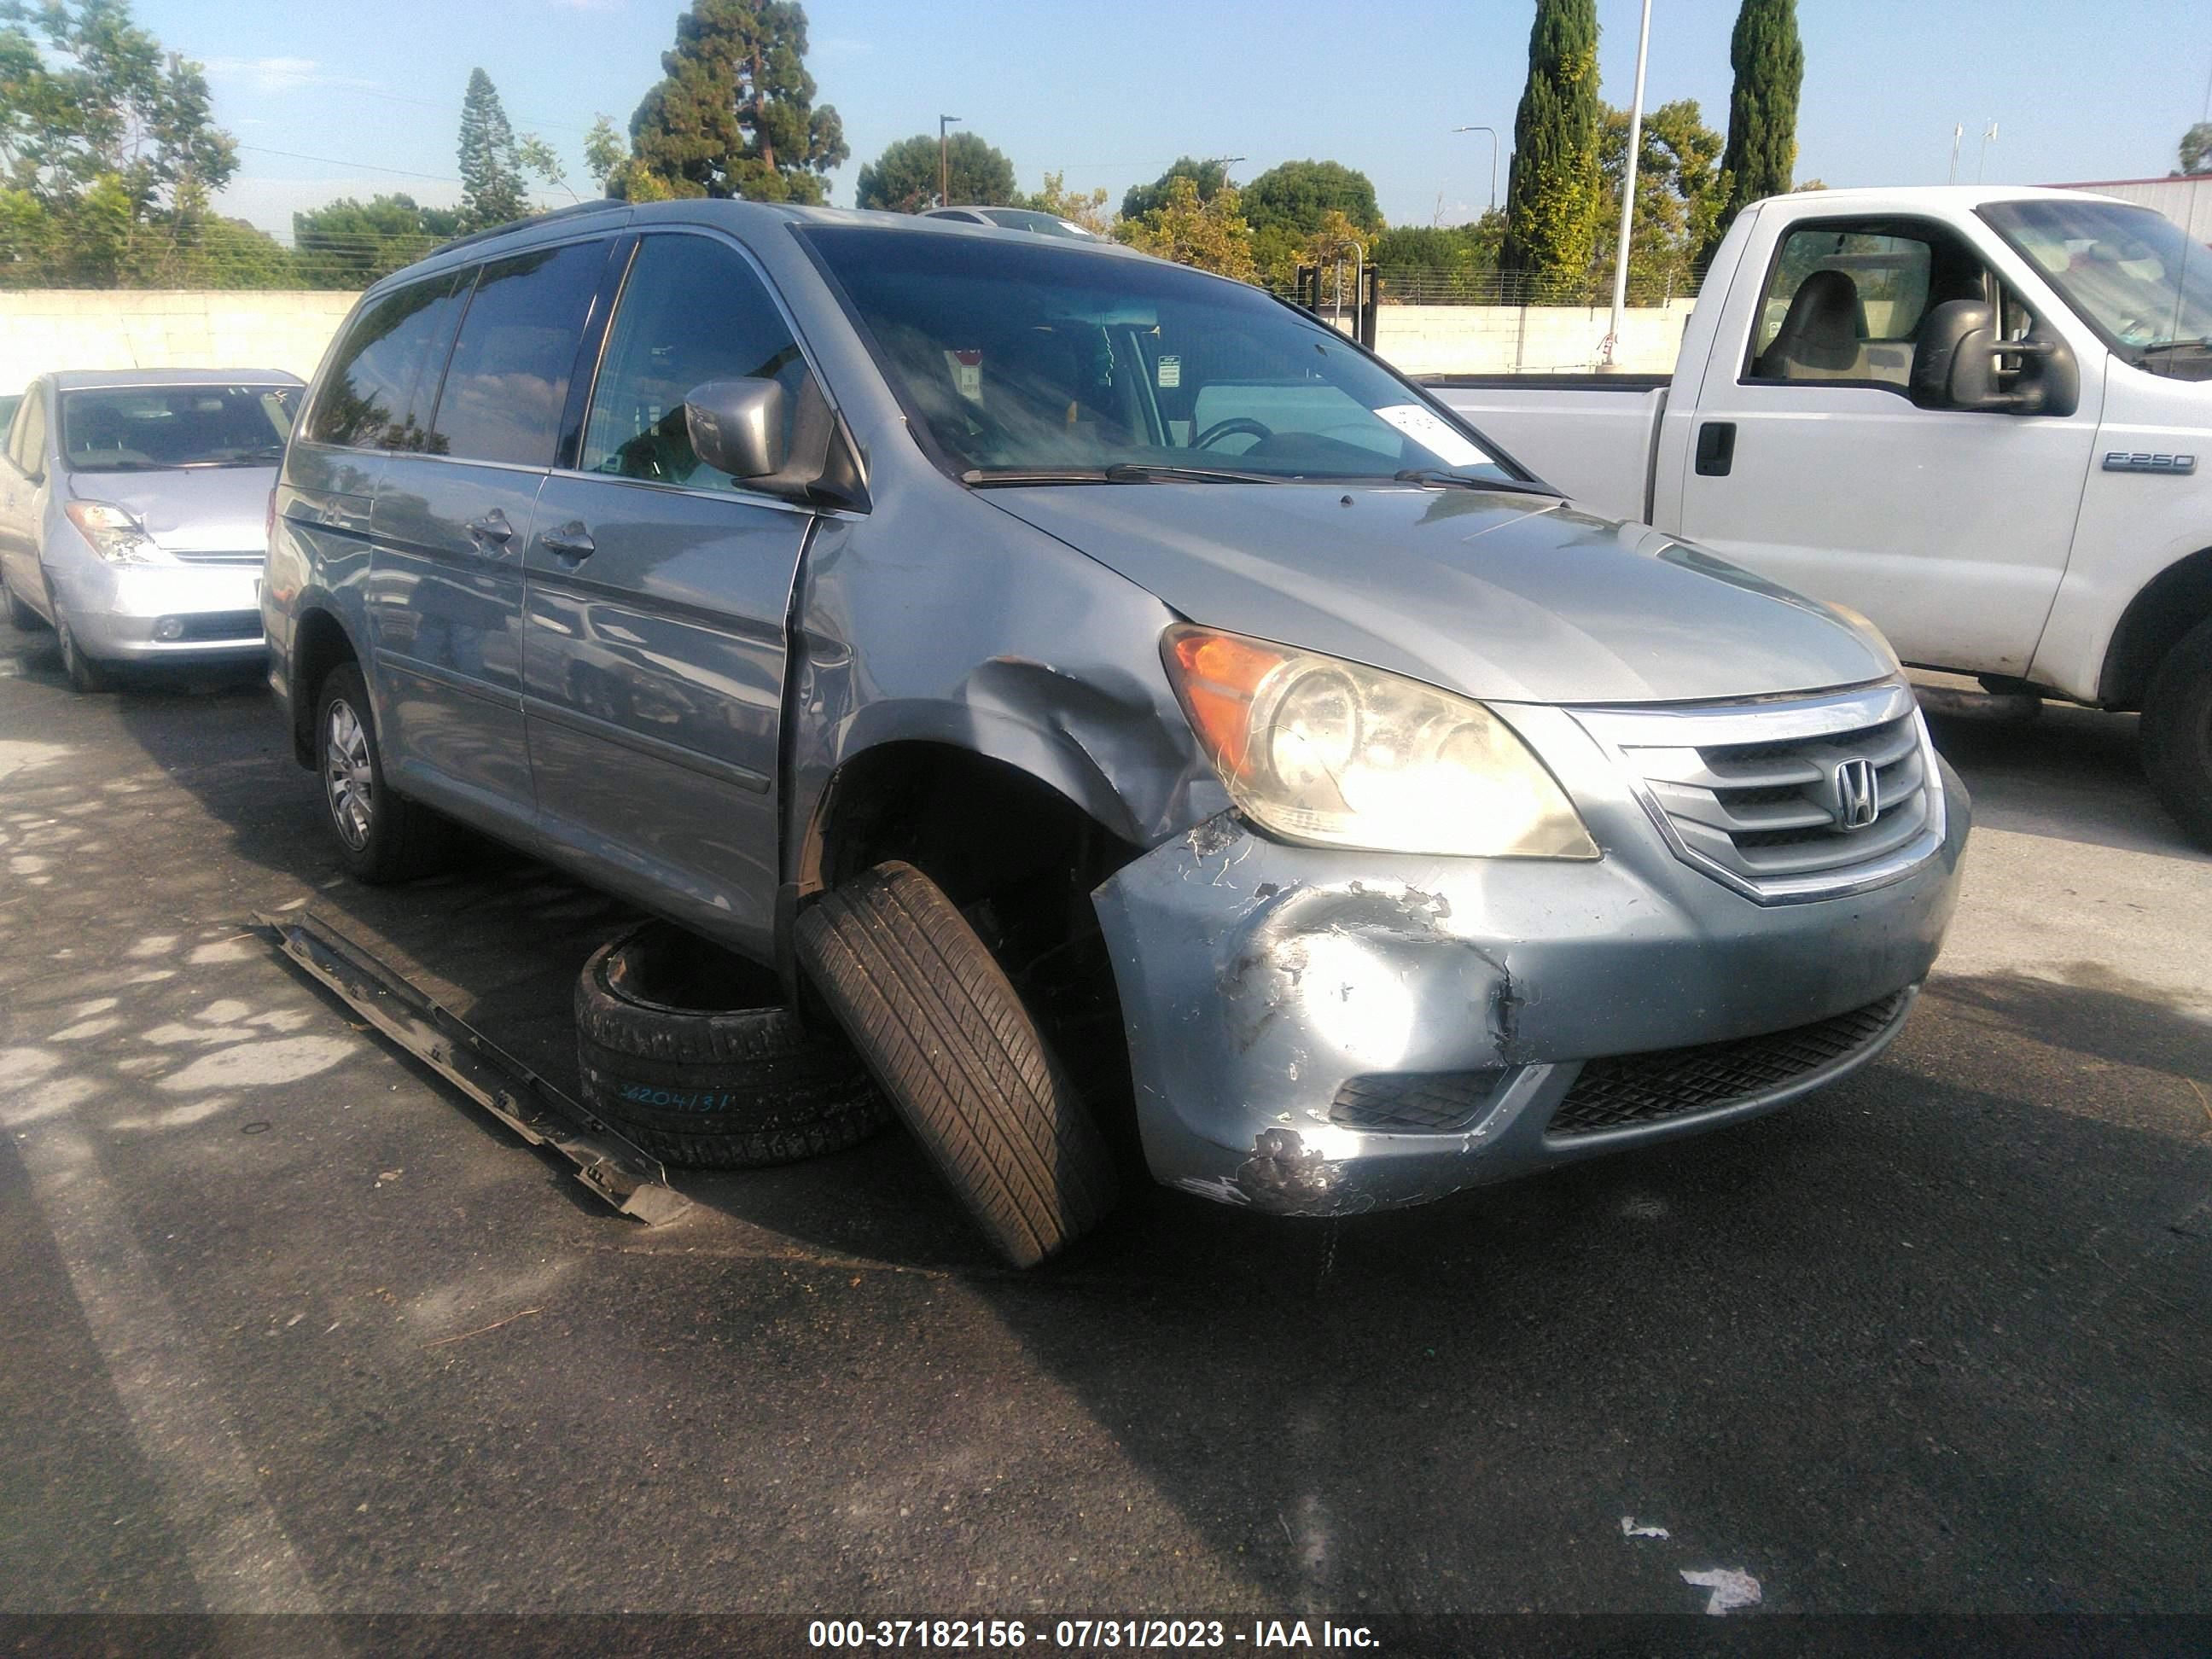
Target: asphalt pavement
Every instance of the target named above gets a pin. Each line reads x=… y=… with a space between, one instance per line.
x=289 y=1327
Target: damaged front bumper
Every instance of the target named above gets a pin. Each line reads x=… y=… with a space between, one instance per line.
x=1317 y=1032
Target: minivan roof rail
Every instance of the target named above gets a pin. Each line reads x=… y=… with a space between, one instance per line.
x=573 y=211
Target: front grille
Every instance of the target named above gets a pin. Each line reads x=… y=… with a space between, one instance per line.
x=1757 y=795
x=1419 y=1102
x=1625 y=1089
x=255 y=557
x=220 y=625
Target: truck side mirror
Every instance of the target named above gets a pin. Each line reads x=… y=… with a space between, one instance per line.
x=737 y=426
x=1958 y=358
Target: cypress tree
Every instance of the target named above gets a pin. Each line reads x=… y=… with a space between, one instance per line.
x=1769 y=61
x=492 y=173
x=1551 y=196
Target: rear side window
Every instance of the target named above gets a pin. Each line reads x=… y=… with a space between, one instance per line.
x=28 y=441
x=691 y=311
x=377 y=393
x=508 y=379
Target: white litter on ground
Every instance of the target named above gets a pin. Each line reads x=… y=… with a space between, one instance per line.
x=1731 y=1588
x=1631 y=1527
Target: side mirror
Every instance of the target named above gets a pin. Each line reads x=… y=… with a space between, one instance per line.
x=737 y=426
x=1958 y=359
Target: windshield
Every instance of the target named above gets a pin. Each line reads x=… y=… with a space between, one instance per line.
x=1049 y=360
x=142 y=428
x=2134 y=274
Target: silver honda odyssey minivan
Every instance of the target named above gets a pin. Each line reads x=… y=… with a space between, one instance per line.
x=1106 y=694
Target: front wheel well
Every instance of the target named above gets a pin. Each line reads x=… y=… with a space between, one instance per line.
x=2171 y=603
x=1017 y=859
x=320 y=644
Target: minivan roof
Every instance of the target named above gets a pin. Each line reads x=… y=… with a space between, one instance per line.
x=88 y=379
x=737 y=216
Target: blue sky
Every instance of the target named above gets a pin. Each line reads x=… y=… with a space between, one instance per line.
x=1112 y=93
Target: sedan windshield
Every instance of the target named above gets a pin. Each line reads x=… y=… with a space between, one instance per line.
x=2134 y=274
x=1050 y=364
x=143 y=428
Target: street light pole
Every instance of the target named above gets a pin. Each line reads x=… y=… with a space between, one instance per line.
x=1611 y=343
x=1492 y=131
x=944 y=160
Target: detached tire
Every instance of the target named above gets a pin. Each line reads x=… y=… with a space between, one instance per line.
x=2177 y=732
x=946 y=1037
x=673 y=1052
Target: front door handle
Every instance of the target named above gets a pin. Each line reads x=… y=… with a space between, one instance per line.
x=492 y=527
x=570 y=541
x=1716 y=448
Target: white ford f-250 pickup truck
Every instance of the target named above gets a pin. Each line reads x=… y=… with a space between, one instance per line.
x=1982 y=417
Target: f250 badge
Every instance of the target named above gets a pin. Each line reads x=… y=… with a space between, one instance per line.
x=2126 y=460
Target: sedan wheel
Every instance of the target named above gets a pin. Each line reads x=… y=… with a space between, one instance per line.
x=348 y=779
x=84 y=674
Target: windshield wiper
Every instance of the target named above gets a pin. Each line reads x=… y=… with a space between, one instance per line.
x=1442 y=479
x=1120 y=472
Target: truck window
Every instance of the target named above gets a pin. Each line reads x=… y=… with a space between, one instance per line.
x=1843 y=305
x=691 y=311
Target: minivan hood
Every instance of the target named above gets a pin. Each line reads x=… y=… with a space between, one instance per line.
x=1510 y=597
x=204 y=509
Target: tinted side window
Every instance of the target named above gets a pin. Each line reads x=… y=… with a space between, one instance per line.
x=509 y=374
x=376 y=394
x=691 y=311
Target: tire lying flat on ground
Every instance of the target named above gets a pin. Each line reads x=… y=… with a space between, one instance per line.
x=682 y=1047
x=946 y=1037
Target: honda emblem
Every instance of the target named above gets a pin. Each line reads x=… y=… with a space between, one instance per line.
x=1858 y=794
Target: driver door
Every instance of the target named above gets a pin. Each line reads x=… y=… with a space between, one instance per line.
x=1808 y=463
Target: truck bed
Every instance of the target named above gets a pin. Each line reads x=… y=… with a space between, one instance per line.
x=1592 y=435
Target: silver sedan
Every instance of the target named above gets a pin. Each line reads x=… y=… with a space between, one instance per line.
x=133 y=511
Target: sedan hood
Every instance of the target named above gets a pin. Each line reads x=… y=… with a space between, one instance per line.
x=1509 y=597
x=202 y=509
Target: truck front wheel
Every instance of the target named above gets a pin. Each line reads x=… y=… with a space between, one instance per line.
x=2177 y=732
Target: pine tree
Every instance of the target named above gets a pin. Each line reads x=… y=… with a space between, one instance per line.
x=1551 y=199
x=491 y=169
x=734 y=114
x=1761 y=157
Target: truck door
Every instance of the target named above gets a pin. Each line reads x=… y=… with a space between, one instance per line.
x=1808 y=463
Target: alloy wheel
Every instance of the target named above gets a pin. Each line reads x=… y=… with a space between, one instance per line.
x=348 y=777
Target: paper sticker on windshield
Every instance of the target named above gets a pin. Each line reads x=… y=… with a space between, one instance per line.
x=1170 y=372
x=1425 y=428
x=967 y=369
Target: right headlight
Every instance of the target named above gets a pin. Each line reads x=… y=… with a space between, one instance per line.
x=1315 y=748
x=114 y=534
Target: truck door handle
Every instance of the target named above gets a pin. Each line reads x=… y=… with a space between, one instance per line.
x=1716 y=448
x=492 y=527
x=570 y=541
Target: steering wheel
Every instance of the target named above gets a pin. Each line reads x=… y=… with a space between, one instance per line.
x=1229 y=429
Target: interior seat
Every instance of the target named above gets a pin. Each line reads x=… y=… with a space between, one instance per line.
x=1818 y=339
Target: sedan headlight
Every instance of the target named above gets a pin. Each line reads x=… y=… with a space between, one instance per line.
x=1313 y=749
x=114 y=534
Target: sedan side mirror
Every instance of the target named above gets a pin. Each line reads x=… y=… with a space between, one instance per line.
x=737 y=426
x=1958 y=359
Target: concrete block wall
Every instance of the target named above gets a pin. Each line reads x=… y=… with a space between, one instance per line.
x=1526 y=340
x=50 y=329
x=44 y=329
